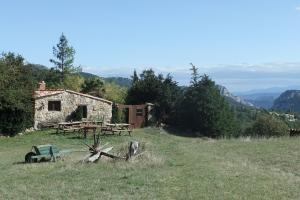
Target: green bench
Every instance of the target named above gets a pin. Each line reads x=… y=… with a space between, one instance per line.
x=45 y=152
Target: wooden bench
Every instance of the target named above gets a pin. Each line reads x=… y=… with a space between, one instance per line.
x=68 y=127
x=122 y=130
x=71 y=129
x=48 y=125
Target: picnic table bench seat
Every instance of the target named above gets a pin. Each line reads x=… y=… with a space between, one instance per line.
x=116 y=128
x=71 y=129
x=68 y=127
x=122 y=130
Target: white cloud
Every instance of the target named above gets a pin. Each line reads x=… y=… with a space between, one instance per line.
x=298 y=8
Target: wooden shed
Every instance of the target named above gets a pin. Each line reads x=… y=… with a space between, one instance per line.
x=138 y=115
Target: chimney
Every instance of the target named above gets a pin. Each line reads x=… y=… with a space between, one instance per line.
x=42 y=85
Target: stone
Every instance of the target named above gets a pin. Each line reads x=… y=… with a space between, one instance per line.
x=97 y=108
x=133 y=148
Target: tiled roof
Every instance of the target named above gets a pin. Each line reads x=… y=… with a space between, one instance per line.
x=44 y=93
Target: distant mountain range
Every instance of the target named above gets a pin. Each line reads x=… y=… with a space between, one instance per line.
x=124 y=82
x=232 y=99
x=121 y=81
x=261 y=100
x=288 y=101
x=272 y=90
x=264 y=98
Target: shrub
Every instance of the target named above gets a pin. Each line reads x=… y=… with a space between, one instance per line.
x=267 y=126
x=118 y=115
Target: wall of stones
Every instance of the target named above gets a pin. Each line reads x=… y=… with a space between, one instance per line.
x=96 y=109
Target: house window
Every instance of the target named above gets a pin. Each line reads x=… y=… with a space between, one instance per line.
x=139 y=112
x=54 y=106
x=83 y=109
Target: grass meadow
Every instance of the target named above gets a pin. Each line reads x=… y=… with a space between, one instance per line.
x=171 y=167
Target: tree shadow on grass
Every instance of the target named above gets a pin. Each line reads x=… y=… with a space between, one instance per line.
x=25 y=163
x=70 y=135
x=180 y=132
x=19 y=163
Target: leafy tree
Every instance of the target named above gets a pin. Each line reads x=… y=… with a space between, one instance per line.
x=16 y=87
x=93 y=86
x=154 y=89
x=118 y=115
x=53 y=79
x=73 y=82
x=268 y=126
x=114 y=92
x=63 y=57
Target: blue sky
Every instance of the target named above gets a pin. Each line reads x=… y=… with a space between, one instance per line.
x=243 y=45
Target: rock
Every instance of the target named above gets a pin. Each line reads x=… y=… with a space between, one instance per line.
x=133 y=148
x=28 y=130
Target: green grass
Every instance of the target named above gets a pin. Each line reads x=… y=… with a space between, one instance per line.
x=171 y=167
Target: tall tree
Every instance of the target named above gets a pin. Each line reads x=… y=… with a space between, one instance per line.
x=63 y=56
x=155 y=89
x=135 y=77
x=195 y=74
x=205 y=111
x=16 y=86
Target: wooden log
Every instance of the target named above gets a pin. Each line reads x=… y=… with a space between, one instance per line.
x=111 y=156
x=93 y=158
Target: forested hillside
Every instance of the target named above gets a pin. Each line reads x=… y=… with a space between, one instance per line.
x=288 y=101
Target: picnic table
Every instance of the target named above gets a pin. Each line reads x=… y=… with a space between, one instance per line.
x=94 y=122
x=89 y=127
x=116 y=128
x=68 y=126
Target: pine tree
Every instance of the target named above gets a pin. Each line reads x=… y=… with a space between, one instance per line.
x=135 y=77
x=195 y=74
x=64 y=56
x=205 y=111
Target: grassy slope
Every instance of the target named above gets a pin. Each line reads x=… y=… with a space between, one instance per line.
x=172 y=167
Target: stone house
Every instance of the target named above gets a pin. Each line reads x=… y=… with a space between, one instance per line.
x=53 y=106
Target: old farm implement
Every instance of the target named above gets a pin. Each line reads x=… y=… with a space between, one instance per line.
x=45 y=152
x=97 y=151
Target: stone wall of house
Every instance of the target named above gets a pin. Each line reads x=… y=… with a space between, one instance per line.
x=96 y=108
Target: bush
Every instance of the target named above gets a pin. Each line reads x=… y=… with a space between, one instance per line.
x=118 y=115
x=267 y=126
